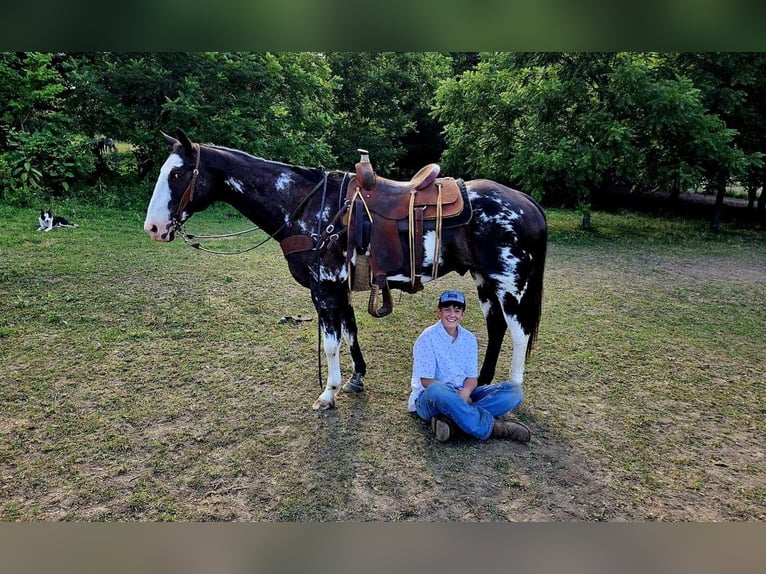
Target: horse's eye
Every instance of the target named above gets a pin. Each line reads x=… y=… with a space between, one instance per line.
x=176 y=176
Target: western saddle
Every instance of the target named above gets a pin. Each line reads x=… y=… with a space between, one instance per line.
x=380 y=209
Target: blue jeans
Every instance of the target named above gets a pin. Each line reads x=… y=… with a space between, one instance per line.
x=475 y=419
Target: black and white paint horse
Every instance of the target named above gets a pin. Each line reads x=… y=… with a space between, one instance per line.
x=503 y=246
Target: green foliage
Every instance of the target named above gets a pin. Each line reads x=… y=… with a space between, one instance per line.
x=384 y=102
x=43 y=156
x=48 y=164
x=273 y=105
x=567 y=126
x=276 y=105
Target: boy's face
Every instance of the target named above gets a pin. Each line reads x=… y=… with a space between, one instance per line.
x=450 y=315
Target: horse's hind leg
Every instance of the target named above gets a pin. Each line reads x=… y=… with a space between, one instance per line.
x=496 y=327
x=500 y=311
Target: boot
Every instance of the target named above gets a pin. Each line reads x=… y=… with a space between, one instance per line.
x=442 y=427
x=512 y=430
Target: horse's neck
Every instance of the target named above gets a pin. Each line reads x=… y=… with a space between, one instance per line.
x=265 y=191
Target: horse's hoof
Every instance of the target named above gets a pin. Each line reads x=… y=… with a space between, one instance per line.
x=354 y=385
x=320 y=405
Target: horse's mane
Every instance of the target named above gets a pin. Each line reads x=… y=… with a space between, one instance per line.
x=311 y=172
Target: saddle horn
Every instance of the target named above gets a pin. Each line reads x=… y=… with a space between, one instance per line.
x=365 y=175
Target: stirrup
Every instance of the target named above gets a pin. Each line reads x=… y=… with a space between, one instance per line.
x=372 y=305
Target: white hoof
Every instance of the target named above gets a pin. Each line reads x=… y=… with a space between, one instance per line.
x=320 y=405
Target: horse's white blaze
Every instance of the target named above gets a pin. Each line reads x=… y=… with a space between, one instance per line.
x=235 y=184
x=158 y=217
x=283 y=181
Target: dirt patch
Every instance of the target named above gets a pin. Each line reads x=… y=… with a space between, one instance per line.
x=712 y=269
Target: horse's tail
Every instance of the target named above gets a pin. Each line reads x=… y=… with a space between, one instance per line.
x=535 y=287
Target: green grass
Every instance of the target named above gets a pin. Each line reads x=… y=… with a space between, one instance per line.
x=143 y=381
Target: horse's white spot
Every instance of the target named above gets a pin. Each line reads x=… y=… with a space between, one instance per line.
x=302 y=225
x=283 y=181
x=429 y=245
x=235 y=184
x=509 y=279
x=333 y=274
x=399 y=279
x=520 y=342
x=348 y=336
x=158 y=214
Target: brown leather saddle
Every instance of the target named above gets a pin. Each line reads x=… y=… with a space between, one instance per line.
x=386 y=221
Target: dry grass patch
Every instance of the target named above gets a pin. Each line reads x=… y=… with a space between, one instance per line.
x=153 y=382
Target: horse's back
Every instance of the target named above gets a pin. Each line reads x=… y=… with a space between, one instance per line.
x=496 y=203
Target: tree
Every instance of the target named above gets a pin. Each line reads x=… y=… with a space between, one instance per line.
x=384 y=105
x=276 y=105
x=40 y=154
x=733 y=86
x=569 y=127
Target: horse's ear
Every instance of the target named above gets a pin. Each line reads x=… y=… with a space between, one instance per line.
x=170 y=139
x=185 y=141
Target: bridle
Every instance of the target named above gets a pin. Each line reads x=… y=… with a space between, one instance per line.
x=188 y=196
x=189 y=191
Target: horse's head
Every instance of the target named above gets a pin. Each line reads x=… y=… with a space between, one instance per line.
x=180 y=189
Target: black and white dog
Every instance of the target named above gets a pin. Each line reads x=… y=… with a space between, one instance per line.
x=48 y=221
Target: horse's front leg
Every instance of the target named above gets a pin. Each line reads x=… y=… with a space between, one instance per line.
x=355 y=384
x=329 y=302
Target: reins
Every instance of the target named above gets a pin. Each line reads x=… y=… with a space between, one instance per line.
x=187 y=237
x=321 y=237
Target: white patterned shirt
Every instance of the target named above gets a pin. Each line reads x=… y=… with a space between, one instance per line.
x=436 y=355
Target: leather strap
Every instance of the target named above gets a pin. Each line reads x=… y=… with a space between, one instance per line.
x=296 y=243
x=438 y=240
x=417 y=284
x=188 y=195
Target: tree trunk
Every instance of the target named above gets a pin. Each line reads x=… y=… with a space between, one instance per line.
x=752 y=189
x=720 y=188
x=586 y=220
x=761 y=213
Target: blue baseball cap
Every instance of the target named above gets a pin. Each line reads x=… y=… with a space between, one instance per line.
x=452 y=298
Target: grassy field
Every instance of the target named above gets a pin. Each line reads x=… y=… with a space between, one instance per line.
x=141 y=381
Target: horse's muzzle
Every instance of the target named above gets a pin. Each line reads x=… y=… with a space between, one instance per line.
x=160 y=231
